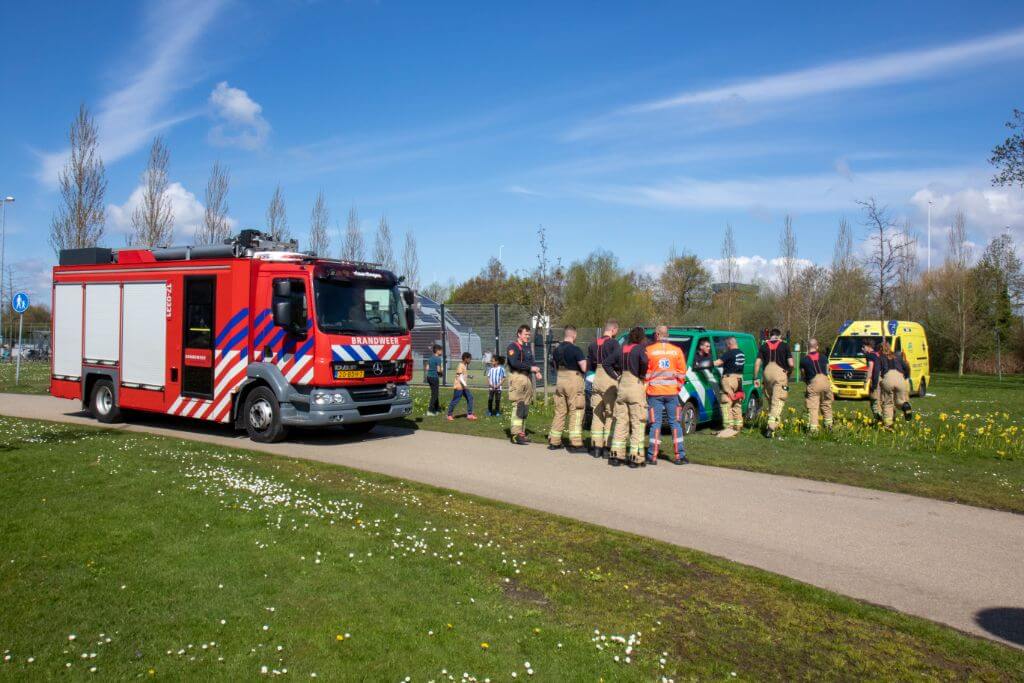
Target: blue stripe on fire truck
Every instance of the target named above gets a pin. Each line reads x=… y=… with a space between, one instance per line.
x=235 y=319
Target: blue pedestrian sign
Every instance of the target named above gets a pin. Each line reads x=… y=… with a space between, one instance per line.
x=20 y=302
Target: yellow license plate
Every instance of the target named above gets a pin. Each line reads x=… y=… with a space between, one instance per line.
x=349 y=374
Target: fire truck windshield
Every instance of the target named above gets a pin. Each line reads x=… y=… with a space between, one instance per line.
x=357 y=307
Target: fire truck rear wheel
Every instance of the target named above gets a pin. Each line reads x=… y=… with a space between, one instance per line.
x=263 y=416
x=102 y=403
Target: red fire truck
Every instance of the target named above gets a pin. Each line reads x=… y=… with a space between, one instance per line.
x=251 y=332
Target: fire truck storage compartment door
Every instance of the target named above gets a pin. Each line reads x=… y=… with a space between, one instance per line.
x=144 y=344
x=102 y=322
x=67 y=331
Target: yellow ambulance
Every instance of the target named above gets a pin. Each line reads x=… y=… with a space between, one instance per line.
x=850 y=368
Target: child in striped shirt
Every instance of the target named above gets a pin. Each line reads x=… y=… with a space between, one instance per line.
x=495 y=378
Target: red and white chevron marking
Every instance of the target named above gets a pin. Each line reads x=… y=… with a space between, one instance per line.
x=297 y=371
x=228 y=374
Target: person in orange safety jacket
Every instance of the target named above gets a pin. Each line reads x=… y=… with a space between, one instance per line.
x=666 y=373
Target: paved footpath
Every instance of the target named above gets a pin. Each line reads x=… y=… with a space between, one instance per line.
x=937 y=560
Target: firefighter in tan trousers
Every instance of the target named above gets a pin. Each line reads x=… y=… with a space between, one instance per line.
x=630 y=402
x=522 y=372
x=570 y=366
x=775 y=358
x=894 y=387
x=604 y=389
x=732 y=363
x=815 y=371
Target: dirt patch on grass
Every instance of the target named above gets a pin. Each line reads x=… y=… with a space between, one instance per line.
x=517 y=592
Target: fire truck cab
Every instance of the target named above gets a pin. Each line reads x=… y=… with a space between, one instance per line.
x=251 y=332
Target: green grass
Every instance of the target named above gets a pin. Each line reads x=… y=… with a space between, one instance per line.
x=34 y=378
x=983 y=470
x=179 y=560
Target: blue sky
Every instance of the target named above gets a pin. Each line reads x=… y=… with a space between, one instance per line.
x=471 y=124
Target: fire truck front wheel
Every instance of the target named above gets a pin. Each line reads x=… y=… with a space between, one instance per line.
x=102 y=404
x=263 y=416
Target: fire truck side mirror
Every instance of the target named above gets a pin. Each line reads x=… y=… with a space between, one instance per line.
x=409 y=296
x=289 y=306
x=410 y=317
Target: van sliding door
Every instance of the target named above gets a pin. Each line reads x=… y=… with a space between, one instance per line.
x=197 y=340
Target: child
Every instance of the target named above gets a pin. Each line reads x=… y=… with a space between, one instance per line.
x=435 y=366
x=495 y=378
x=462 y=388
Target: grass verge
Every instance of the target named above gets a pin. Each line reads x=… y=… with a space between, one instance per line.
x=130 y=555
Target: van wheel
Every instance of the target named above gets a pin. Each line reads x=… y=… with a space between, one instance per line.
x=753 y=407
x=102 y=403
x=689 y=418
x=262 y=414
x=922 y=388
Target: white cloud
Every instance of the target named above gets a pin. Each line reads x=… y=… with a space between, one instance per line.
x=240 y=119
x=130 y=116
x=729 y=105
x=799 y=193
x=988 y=210
x=752 y=268
x=896 y=67
x=188 y=213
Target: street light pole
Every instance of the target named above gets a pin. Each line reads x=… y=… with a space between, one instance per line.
x=3 y=246
x=929 y=235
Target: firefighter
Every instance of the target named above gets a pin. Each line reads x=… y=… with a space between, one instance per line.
x=603 y=390
x=630 y=403
x=732 y=362
x=814 y=368
x=893 y=388
x=874 y=374
x=666 y=373
x=570 y=366
x=522 y=371
x=776 y=359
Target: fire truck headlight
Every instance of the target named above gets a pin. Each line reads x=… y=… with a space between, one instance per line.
x=321 y=399
x=338 y=398
x=403 y=391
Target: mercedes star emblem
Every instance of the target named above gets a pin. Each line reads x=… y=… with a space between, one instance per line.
x=378 y=369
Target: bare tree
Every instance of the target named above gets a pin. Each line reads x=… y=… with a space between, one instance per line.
x=383 y=250
x=789 y=270
x=842 y=252
x=728 y=272
x=352 y=247
x=888 y=253
x=319 y=219
x=953 y=309
x=153 y=218
x=411 y=261
x=277 y=217
x=215 y=228
x=81 y=218
x=813 y=283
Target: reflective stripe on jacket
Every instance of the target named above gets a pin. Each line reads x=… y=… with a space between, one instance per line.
x=666 y=369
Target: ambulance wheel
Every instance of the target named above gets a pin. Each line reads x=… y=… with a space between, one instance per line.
x=102 y=403
x=689 y=418
x=922 y=388
x=753 y=407
x=263 y=416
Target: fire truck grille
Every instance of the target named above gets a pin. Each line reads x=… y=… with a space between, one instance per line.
x=374 y=410
x=375 y=393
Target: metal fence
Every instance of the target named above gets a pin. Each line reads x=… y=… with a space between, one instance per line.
x=35 y=341
x=483 y=331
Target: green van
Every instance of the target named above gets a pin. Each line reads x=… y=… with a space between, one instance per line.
x=700 y=392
